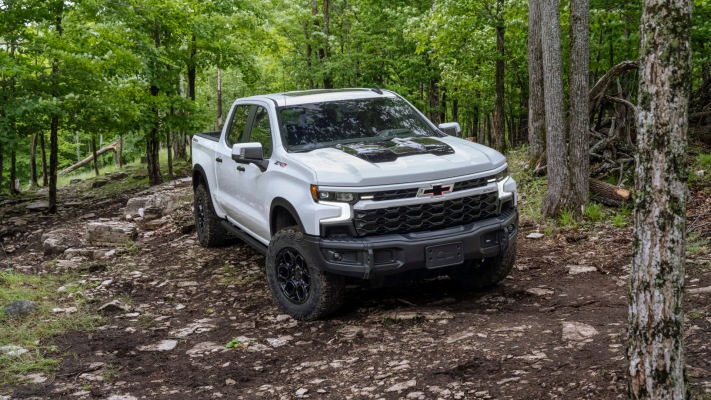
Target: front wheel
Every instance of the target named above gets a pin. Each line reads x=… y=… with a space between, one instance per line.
x=486 y=273
x=300 y=289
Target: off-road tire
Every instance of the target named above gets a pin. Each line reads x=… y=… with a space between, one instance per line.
x=325 y=291
x=210 y=232
x=487 y=273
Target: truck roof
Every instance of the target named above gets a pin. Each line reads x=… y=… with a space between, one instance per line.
x=321 y=95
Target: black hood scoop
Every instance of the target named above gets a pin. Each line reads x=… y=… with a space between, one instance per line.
x=391 y=150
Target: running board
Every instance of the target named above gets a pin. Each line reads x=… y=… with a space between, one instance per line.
x=257 y=245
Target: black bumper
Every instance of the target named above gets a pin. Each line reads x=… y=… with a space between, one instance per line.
x=377 y=256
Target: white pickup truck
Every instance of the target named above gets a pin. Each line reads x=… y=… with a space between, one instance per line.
x=352 y=184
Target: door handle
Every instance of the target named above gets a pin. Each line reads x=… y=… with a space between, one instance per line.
x=218 y=159
x=240 y=168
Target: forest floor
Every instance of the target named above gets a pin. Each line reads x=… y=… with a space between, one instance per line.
x=194 y=323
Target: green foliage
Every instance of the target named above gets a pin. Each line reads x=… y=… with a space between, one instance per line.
x=619 y=220
x=568 y=220
x=594 y=212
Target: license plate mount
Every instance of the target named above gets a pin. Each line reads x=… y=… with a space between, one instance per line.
x=444 y=255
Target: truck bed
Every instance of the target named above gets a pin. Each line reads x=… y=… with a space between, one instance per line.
x=214 y=136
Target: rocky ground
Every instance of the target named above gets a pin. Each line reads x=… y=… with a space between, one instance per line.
x=184 y=322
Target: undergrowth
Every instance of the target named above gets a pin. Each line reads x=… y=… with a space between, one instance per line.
x=32 y=333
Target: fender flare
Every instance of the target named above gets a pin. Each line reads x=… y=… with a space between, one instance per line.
x=281 y=202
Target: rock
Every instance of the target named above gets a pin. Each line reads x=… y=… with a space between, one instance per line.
x=13 y=351
x=36 y=378
x=10 y=249
x=154 y=224
x=540 y=291
x=700 y=290
x=301 y=392
x=230 y=382
x=54 y=246
x=20 y=308
x=114 y=306
x=68 y=310
x=280 y=341
x=700 y=173
x=57 y=241
x=534 y=235
x=110 y=233
x=199 y=326
x=37 y=206
x=399 y=387
x=578 y=332
x=151 y=213
x=203 y=348
x=115 y=176
x=121 y=397
x=187 y=283
x=161 y=203
x=163 y=345
x=99 y=183
x=74 y=181
x=579 y=269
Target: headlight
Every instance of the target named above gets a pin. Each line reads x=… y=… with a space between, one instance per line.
x=500 y=176
x=341 y=197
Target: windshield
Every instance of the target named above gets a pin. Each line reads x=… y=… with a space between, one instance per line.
x=311 y=126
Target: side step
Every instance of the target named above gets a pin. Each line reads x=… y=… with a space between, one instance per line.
x=257 y=245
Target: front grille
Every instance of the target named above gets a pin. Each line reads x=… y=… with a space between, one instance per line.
x=428 y=216
x=412 y=192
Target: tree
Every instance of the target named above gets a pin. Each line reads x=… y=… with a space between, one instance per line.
x=655 y=333
x=579 y=133
x=536 y=110
x=558 y=195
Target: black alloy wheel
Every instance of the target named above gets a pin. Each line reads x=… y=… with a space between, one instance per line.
x=293 y=275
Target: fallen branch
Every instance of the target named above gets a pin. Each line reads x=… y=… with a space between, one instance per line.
x=112 y=147
x=597 y=91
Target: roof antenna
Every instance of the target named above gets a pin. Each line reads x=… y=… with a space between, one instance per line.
x=377 y=90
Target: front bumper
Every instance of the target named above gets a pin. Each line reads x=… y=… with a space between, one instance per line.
x=378 y=256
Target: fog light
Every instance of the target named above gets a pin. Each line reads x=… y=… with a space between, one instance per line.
x=337 y=256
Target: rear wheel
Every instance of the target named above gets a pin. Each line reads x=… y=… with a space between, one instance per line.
x=209 y=230
x=300 y=289
x=486 y=273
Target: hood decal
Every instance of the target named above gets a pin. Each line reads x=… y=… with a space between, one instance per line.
x=390 y=150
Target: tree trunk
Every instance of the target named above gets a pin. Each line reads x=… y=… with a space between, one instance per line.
x=579 y=160
x=656 y=321
x=607 y=194
x=327 y=82
x=558 y=195
x=219 y=99
x=93 y=151
x=2 y=168
x=33 y=162
x=536 y=110
x=153 y=140
x=499 y=118
x=120 y=152
x=14 y=189
x=54 y=127
x=434 y=102
x=89 y=159
x=455 y=110
x=45 y=175
x=443 y=107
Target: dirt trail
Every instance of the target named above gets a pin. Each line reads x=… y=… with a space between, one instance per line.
x=554 y=329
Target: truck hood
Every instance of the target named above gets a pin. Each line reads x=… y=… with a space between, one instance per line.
x=398 y=161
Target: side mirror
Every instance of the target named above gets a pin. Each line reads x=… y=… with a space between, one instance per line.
x=451 y=128
x=250 y=153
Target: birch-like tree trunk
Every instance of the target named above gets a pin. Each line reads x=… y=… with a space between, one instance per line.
x=558 y=195
x=655 y=339
x=54 y=125
x=536 y=110
x=499 y=118
x=579 y=136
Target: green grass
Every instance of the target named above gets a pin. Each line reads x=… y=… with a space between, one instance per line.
x=131 y=168
x=594 y=212
x=34 y=331
x=568 y=220
x=696 y=245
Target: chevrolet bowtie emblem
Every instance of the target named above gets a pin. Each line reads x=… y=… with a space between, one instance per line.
x=435 y=191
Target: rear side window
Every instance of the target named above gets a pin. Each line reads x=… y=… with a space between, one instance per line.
x=235 y=134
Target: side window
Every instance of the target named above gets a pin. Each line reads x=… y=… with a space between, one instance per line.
x=239 y=121
x=262 y=131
